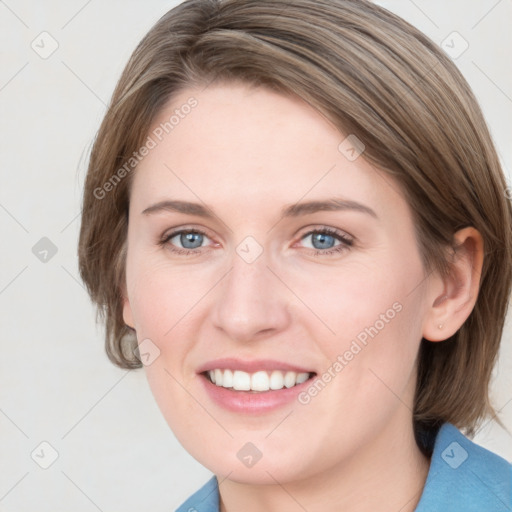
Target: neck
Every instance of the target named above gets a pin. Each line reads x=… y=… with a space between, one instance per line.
x=388 y=474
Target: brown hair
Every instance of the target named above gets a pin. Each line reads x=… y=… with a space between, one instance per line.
x=371 y=74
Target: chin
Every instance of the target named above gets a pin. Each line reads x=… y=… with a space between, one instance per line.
x=257 y=462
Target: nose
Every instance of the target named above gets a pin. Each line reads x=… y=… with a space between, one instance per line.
x=251 y=302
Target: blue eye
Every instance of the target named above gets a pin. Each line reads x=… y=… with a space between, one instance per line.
x=324 y=240
x=190 y=240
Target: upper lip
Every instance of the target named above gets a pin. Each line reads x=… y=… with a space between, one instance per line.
x=252 y=366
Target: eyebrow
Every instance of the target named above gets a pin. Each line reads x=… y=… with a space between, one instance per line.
x=293 y=210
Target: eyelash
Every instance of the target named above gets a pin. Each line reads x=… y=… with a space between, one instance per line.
x=186 y=252
x=345 y=244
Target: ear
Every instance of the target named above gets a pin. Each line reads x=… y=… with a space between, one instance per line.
x=452 y=298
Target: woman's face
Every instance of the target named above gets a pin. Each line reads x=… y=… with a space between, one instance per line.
x=230 y=269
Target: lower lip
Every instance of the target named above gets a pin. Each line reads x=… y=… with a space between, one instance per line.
x=250 y=402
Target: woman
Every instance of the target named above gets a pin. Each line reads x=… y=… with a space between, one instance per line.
x=295 y=219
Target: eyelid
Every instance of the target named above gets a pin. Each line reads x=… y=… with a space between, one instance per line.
x=346 y=242
x=329 y=230
x=172 y=232
x=165 y=241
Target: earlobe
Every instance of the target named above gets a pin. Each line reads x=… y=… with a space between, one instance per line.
x=455 y=296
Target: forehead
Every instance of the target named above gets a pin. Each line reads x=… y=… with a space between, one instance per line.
x=251 y=147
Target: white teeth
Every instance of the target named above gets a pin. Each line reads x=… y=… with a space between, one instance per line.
x=258 y=381
x=276 y=380
x=241 y=381
x=302 y=377
x=227 y=379
x=290 y=379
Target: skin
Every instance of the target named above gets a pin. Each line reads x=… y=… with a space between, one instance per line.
x=246 y=153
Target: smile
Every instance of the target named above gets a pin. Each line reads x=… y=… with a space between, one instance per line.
x=259 y=381
x=253 y=386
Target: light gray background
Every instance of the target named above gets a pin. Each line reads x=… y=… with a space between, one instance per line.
x=115 y=451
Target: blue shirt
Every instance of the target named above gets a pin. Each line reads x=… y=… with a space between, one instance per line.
x=463 y=477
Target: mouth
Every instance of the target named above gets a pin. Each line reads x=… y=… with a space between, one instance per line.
x=260 y=381
x=254 y=386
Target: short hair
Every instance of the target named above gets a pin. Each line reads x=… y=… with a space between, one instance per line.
x=373 y=75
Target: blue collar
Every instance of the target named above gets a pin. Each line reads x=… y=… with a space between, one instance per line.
x=463 y=477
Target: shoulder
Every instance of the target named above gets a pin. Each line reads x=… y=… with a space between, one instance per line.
x=465 y=477
x=205 y=499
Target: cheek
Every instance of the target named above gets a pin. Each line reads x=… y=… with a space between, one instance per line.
x=163 y=297
x=360 y=300
x=164 y=301
x=369 y=332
